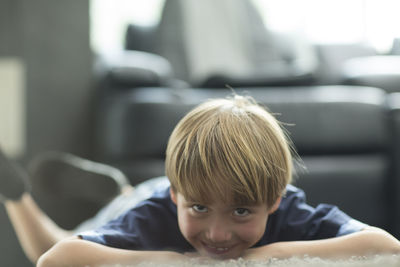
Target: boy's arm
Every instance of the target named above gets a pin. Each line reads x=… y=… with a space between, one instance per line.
x=77 y=252
x=369 y=241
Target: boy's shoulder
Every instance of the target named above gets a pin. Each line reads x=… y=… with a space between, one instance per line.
x=292 y=196
x=150 y=225
x=297 y=220
x=291 y=189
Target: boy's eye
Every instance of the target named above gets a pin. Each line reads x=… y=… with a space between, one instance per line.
x=199 y=208
x=241 y=212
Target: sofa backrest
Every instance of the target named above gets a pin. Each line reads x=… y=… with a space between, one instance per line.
x=340 y=133
x=320 y=120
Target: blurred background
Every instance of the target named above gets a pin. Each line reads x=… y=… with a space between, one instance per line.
x=100 y=78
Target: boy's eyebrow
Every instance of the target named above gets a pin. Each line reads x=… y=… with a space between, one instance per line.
x=230 y=205
x=244 y=205
x=231 y=201
x=192 y=200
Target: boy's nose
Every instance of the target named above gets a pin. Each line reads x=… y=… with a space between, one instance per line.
x=218 y=232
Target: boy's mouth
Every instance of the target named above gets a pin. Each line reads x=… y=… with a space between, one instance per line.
x=217 y=250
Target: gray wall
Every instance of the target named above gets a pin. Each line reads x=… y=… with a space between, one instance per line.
x=52 y=39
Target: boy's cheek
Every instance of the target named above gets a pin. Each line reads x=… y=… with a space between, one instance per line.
x=189 y=226
x=253 y=231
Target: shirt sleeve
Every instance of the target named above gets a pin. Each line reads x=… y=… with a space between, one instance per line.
x=151 y=225
x=122 y=232
x=351 y=226
x=296 y=220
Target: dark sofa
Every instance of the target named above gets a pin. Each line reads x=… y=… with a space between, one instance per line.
x=342 y=134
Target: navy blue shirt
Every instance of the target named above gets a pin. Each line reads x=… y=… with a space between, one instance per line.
x=153 y=224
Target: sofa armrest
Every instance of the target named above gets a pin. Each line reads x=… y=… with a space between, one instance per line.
x=393 y=103
x=134 y=68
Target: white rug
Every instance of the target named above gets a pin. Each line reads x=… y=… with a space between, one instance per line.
x=375 y=261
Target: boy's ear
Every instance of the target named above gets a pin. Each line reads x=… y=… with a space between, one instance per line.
x=275 y=206
x=173 y=195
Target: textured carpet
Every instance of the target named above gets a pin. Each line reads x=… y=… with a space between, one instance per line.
x=375 y=261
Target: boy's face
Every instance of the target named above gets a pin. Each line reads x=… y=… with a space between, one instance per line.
x=220 y=230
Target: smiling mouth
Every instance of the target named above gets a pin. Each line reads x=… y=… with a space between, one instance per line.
x=217 y=250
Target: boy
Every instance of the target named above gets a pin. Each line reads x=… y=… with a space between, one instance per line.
x=229 y=165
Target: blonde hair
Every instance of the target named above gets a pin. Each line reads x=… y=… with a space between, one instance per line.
x=231 y=148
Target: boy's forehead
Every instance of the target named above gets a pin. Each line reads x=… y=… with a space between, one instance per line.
x=205 y=190
x=227 y=199
x=220 y=188
x=205 y=199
